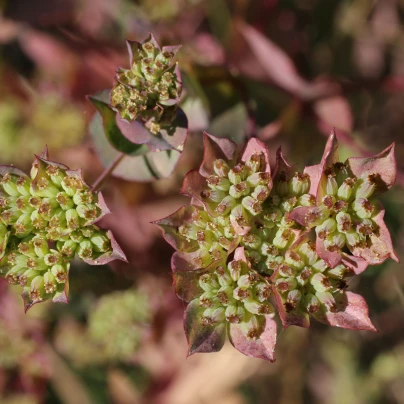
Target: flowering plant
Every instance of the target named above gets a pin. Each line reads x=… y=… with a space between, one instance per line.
x=250 y=238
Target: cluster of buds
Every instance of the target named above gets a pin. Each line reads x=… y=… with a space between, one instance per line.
x=151 y=89
x=45 y=220
x=246 y=237
x=115 y=324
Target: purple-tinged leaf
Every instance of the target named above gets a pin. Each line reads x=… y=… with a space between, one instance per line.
x=332 y=258
x=63 y=296
x=202 y=339
x=303 y=215
x=357 y=264
x=255 y=146
x=282 y=168
x=262 y=348
x=239 y=255
x=45 y=153
x=380 y=246
x=186 y=284
x=315 y=173
x=330 y=157
x=183 y=262
x=172 y=138
x=352 y=313
x=3 y=244
x=383 y=166
x=115 y=254
x=280 y=68
x=170 y=225
x=216 y=148
x=103 y=207
x=12 y=170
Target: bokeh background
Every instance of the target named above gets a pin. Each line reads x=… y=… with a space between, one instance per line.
x=287 y=70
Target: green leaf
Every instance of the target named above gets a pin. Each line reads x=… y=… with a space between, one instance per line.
x=109 y=126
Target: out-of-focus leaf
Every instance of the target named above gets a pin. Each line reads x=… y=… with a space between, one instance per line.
x=231 y=123
x=197 y=114
x=145 y=166
x=109 y=127
x=280 y=68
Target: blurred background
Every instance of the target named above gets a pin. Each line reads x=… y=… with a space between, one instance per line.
x=287 y=71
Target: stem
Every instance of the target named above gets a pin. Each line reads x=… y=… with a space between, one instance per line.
x=107 y=172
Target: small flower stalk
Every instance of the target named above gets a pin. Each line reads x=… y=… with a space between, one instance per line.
x=151 y=88
x=46 y=219
x=253 y=241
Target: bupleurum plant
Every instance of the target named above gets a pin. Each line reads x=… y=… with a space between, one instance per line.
x=46 y=219
x=245 y=242
x=151 y=88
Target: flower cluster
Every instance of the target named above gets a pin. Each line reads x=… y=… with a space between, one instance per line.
x=246 y=241
x=150 y=90
x=45 y=220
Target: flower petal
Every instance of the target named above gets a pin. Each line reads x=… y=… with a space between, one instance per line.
x=282 y=167
x=262 y=348
x=202 y=339
x=357 y=264
x=383 y=165
x=380 y=246
x=216 y=148
x=353 y=314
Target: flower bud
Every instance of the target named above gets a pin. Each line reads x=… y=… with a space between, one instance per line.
x=239 y=190
x=320 y=265
x=252 y=241
x=27 y=277
x=242 y=293
x=68 y=248
x=346 y=189
x=331 y=187
x=60 y=273
x=262 y=291
x=299 y=184
x=225 y=295
x=27 y=249
x=37 y=220
x=40 y=246
x=292 y=300
x=306 y=200
x=10 y=216
x=269 y=249
x=83 y=197
x=71 y=185
x=237 y=174
x=221 y=168
x=293 y=259
x=311 y=303
x=327 y=227
x=259 y=179
x=327 y=299
x=255 y=307
x=234 y=314
x=285 y=284
x=23 y=226
x=101 y=242
x=65 y=201
x=87 y=211
x=49 y=282
x=72 y=219
x=251 y=327
x=56 y=174
x=304 y=276
x=23 y=186
x=353 y=238
x=338 y=272
x=37 y=288
x=235 y=268
x=213 y=315
x=341 y=172
x=52 y=258
x=248 y=280
x=254 y=257
x=252 y=205
x=286 y=271
x=365 y=227
x=308 y=253
x=58 y=219
x=335 y=241
x=44 y=188
x=76 y=236
x=226 y=205
x=85 y=250
x=256 y=162
x=320 y=282
x=87 y=231
x=9 y=183
x=363 y=208
x=273 y=215
x=208 y=299
x=219 y=183
x=365 y=188
x=282 y=238
x=208 y=283
x=261 y=193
